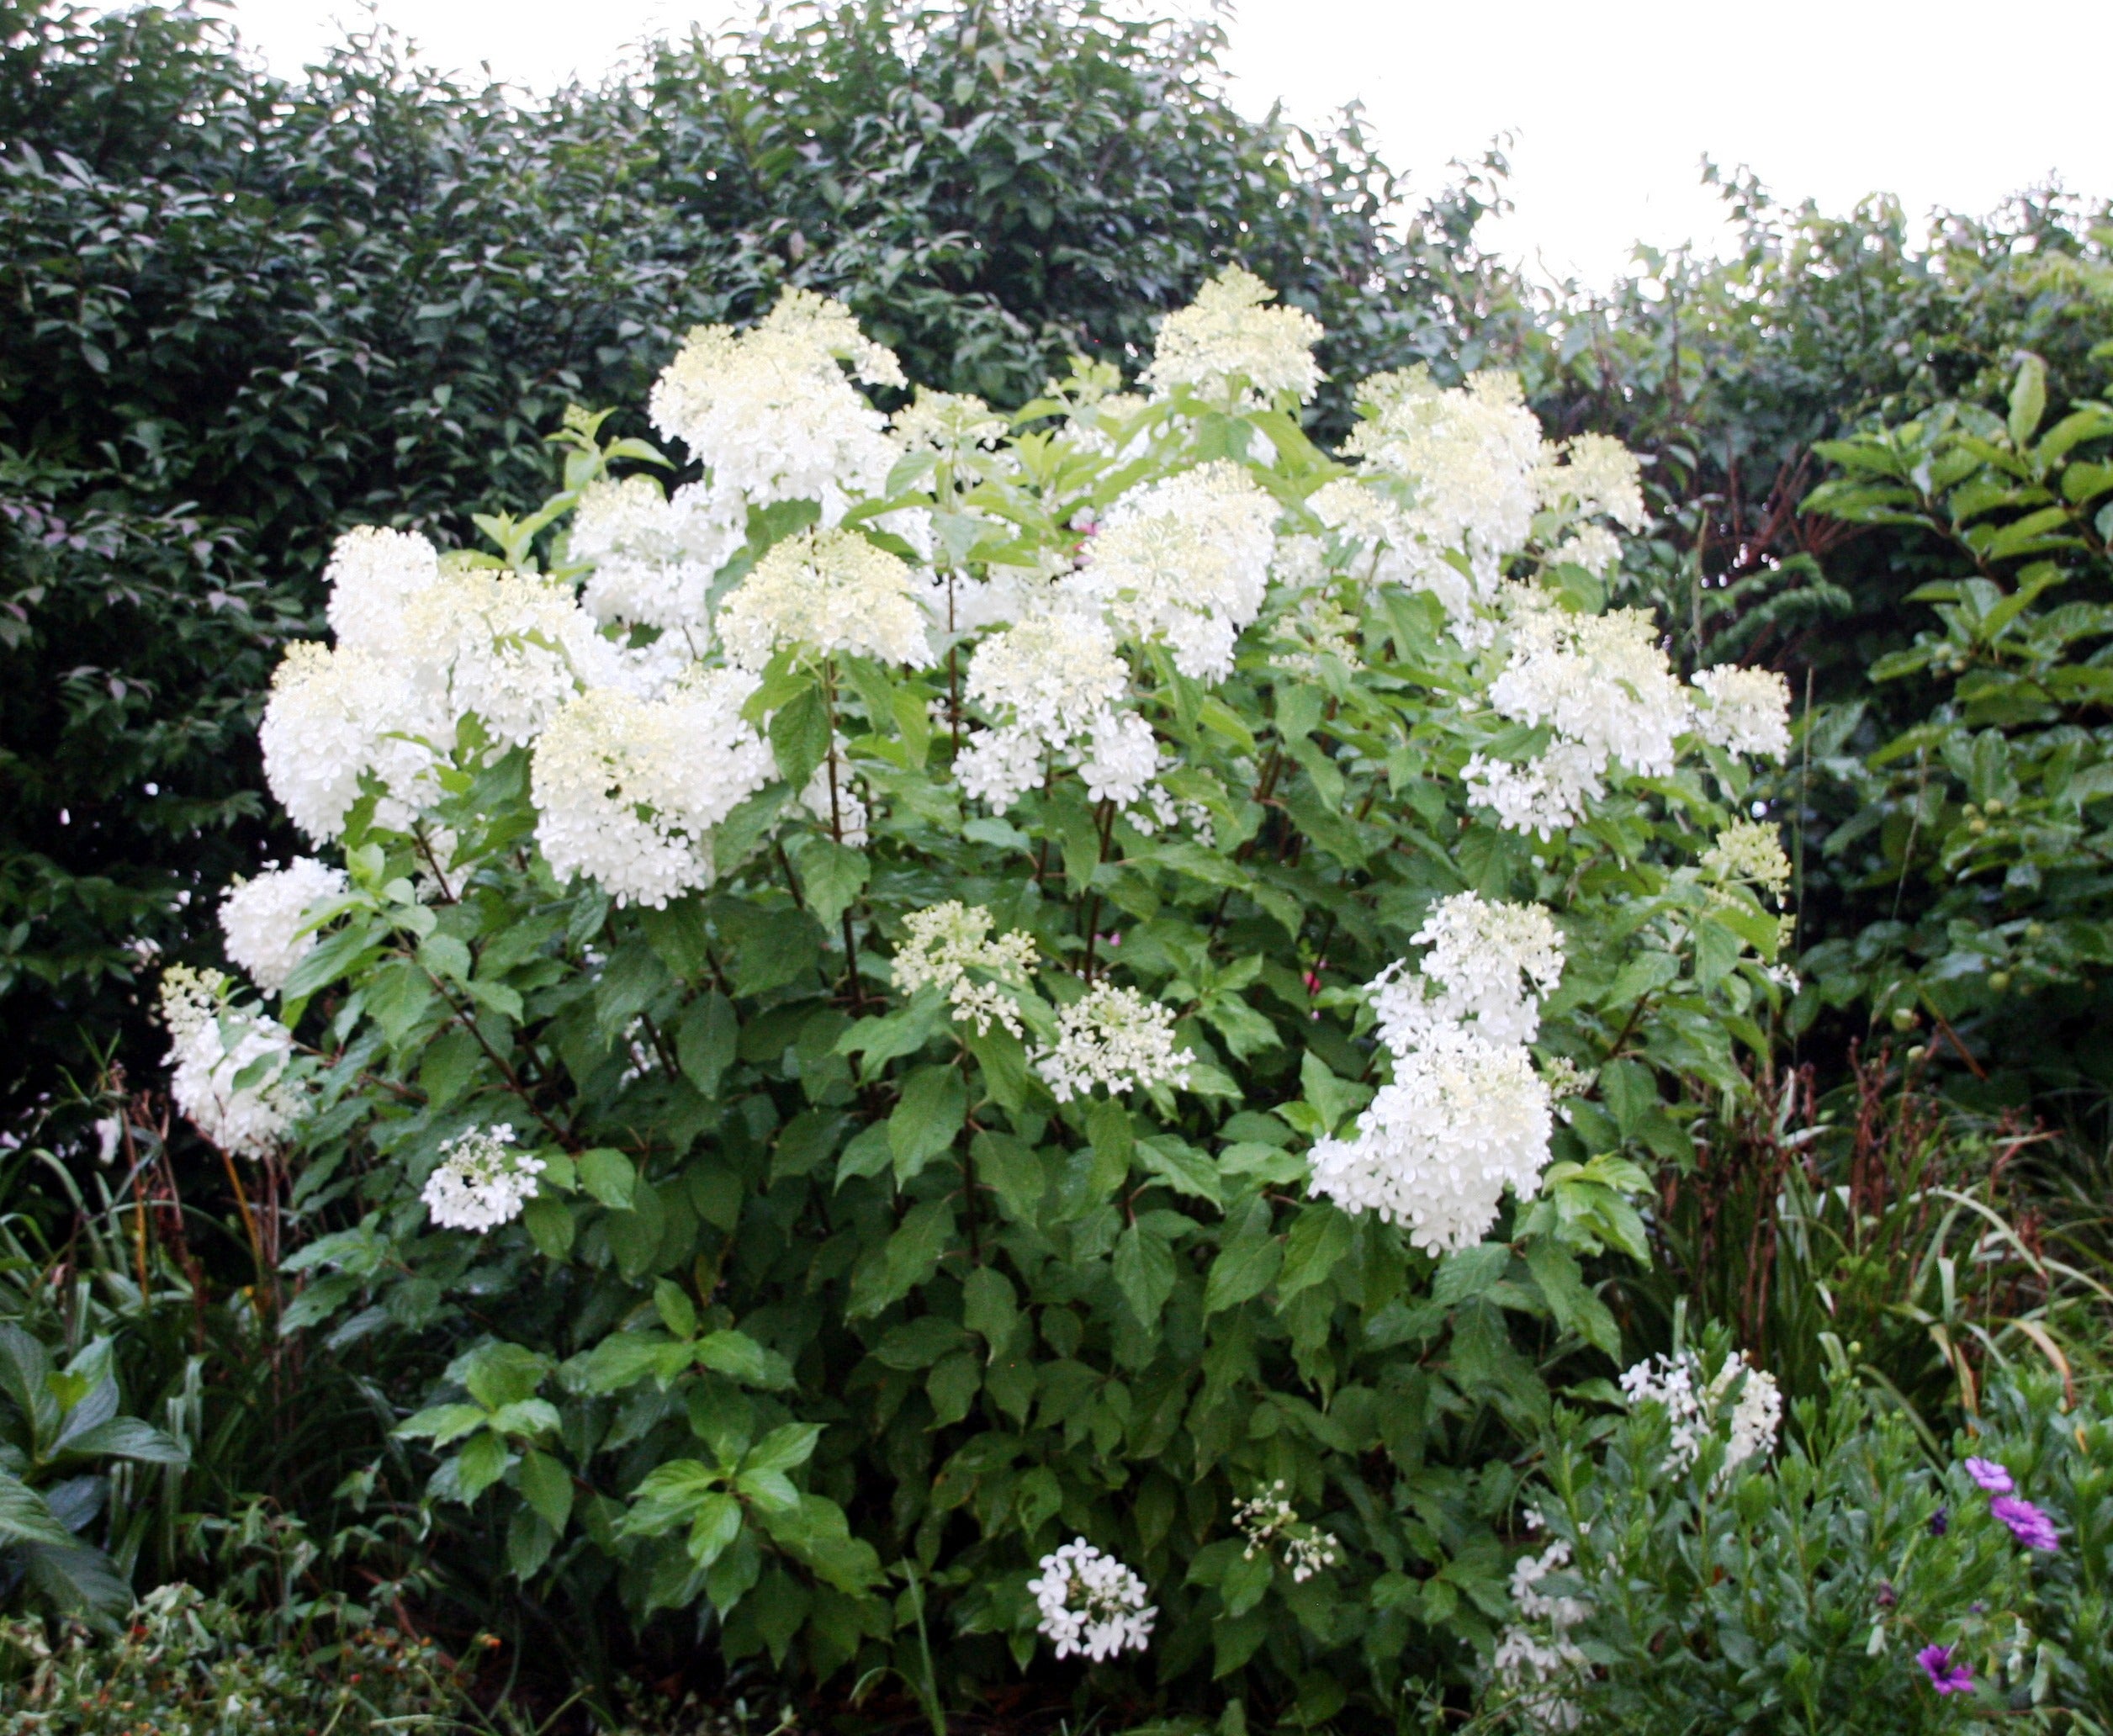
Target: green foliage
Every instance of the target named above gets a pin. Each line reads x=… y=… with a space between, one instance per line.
x=1880 y=1215
x=237 y=314
x=1795 y=1595
x=188 y=1666
x=60 y=1430
x=1988 y=807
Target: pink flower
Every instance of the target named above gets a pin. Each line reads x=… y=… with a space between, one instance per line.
x=2027 y=1523
x=1945 y=1677
x=1990 y=1475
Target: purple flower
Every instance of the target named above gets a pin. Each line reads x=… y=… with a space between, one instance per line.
x=2027 y=1523
x=1990 y=1475
x=1941 y=1522
x=1945 y=1677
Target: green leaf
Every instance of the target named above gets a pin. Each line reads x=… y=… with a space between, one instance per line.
x=705 y=1041
x=551 y=1226
x=1245 y=1265
x=1575 y=1308
x=784 y=1447
x=831 y=874
x=1470 y=1272
x=2028 y=401
x=678 y=1313
x=799 y=734
x=547 y=1486
x=124 y=1437
x=529 y=1542
x=740 y=1358
x=717 y=1523
x=927 y=1120
x=609 y=1176
x=1145 y=1272
x=1182 y=1167
x=501 y=1375
x=1321 y=1236
x=908 y=1259
x=1011 y=1169
x=24 y=1517
x=481 y=1463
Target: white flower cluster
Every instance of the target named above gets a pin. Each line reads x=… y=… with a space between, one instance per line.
x=626 y=790
x=1603 y=687
x=653 y=556
x=1186 y=561
x=1271 y=1524
x=212 y=1042
x=1452 y=480
x=1472 y=458
x=1230 y=347
x=1466 y=1114
x=1744 y=710
x=264 y=920
x=944 y=943
x=949 y=423
x=508 y=648
x=826 y=591
x=771 y=414
x=420 y=649
x=1488 y=967
x=1537 y=1662
x=1696 y=1410
x=482 y=1181
x=1091 y=1603
x=335 y=717
x=1598 y=478
x=1054 y=682
x=373 y=575
x=1114 y=1037
x=1749 y=850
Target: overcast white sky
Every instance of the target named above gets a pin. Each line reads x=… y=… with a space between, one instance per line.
x=1612 y=105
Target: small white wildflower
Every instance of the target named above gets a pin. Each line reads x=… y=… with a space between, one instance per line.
x=1599 y=476
x=508 y=648
x=1694 y=1411
x=1744 y=710
x=335 y=716
x=263 y=919
x=1090 y=1603
x=1537 y=1663
x=832 y=797
x=482 y=1181
x=1230 y=345
x=826 y=591
x=1271 y=1524
x=943 y=944
x=949 y=423
x=1600 y=680
x=212 y=1044
x=1595 y=548
x=1471 y=459
x=1749 y=850
x=1115 y=1037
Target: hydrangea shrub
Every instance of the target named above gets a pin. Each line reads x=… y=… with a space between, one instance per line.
x=1004 y=1032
